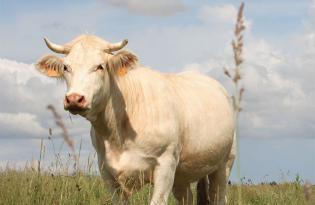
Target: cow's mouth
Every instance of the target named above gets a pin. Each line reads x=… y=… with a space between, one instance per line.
x=76 y=110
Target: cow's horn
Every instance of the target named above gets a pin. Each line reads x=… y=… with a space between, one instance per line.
x=57 y=48
x=116 y=46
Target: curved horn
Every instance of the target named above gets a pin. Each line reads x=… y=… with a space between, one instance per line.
x=116 y=46
x=57 y=48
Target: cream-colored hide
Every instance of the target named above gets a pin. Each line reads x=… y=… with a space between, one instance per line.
x=146 y=126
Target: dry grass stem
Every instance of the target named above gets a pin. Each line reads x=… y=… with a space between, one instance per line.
x=235 y=75
x=237 y=45
x=65 y=134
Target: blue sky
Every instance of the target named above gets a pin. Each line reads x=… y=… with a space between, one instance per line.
x=277 y=123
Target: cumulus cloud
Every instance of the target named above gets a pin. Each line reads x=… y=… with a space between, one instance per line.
x=224 y=13
x=149 y=7
x=221 y=16
x=20 y=124
x=22 y=72
x=279 y=92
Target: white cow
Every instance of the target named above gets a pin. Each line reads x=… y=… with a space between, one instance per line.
x=167 y=129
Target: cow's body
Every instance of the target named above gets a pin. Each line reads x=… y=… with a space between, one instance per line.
x=167 y=129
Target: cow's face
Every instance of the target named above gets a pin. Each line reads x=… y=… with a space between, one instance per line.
x=87 y=68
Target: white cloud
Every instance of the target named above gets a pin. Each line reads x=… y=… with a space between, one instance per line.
x=225 y=13
x=22 y=72
x=279 y=90
x=221 y=16
x=149 y=7
x=19 y=125
x=276 y=105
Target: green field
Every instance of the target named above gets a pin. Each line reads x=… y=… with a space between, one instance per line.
x=30 y=187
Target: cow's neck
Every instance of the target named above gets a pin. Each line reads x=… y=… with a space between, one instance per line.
x=113 y=124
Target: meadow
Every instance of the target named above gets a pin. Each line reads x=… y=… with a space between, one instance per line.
x=27 y=186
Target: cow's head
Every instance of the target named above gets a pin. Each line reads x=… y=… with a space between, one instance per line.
x=87 y=66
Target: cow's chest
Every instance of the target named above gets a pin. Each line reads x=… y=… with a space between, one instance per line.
x=129 y=164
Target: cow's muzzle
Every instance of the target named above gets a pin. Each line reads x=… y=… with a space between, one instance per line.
x=75 y=103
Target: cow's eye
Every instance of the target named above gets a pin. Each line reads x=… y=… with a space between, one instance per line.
x=65 y=68
x=100 y=67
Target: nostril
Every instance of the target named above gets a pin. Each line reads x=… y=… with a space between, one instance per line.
x=81 y=99
x=67 y=100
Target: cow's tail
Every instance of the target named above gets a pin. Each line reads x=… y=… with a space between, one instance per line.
x=202 y=191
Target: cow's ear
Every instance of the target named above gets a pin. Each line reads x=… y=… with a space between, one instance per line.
x=121 y=62
x=51 y=66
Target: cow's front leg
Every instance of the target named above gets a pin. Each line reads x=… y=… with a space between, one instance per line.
x=164 y=177
x=118 y=197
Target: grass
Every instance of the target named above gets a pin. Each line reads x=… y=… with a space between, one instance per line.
x=30 y=187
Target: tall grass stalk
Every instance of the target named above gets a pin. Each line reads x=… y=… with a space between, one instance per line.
x=235 y=75
x=41 y=152
x=65 y=134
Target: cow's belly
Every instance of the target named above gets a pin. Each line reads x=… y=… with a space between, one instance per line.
x=206 y=146
x=197 y=163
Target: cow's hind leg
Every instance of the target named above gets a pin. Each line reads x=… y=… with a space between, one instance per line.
x=230 y=162
x=217 y=186
x=183 y=194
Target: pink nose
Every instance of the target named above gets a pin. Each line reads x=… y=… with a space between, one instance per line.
x=74 y=101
